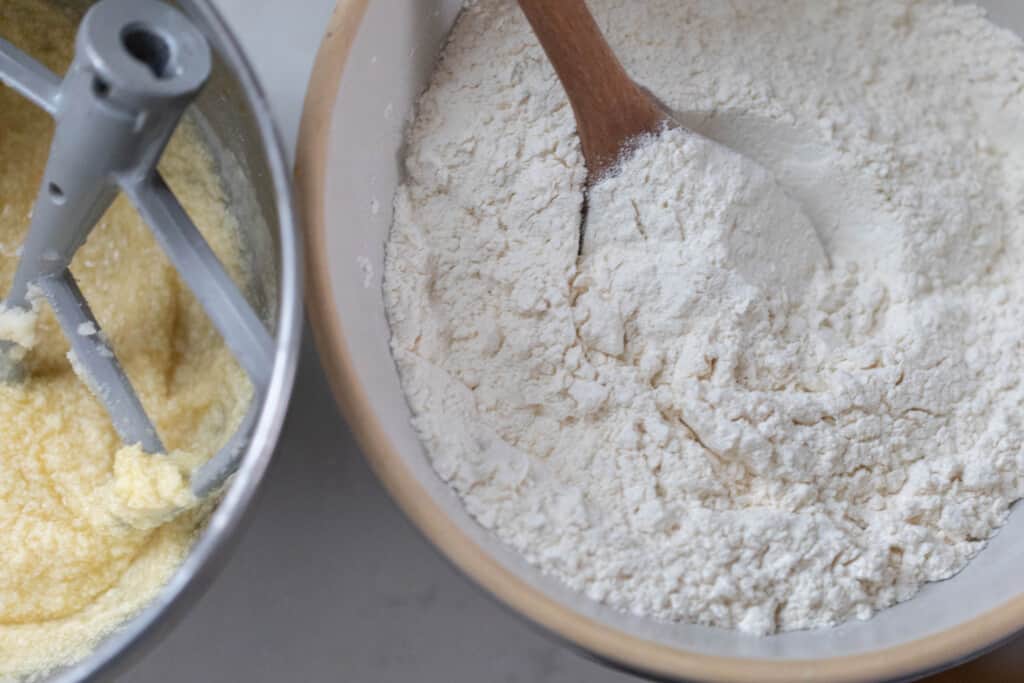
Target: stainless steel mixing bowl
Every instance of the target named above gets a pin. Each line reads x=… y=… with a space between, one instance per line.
x=235 y=122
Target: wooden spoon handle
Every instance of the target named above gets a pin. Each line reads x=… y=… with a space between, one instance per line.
x=610 y=108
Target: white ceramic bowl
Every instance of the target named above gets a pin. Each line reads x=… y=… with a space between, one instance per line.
x=375 y=60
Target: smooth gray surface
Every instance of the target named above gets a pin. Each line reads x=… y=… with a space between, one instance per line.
x=330 y=582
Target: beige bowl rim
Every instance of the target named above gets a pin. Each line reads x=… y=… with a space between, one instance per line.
x=917 y=657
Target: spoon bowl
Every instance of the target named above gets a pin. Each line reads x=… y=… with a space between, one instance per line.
x=614 y=115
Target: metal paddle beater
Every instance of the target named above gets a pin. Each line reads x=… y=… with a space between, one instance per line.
x=137 y=66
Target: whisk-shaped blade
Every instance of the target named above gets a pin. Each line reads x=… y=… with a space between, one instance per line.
x=138 y=64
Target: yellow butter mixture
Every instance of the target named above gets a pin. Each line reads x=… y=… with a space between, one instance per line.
x=90 y=529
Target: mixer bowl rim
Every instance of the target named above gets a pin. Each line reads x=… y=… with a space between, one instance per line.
x=619 y=648
x=118 y=651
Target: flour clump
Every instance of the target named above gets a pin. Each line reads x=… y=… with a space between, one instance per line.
x=723 y=410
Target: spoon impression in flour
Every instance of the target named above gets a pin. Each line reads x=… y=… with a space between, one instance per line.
x=614 y=115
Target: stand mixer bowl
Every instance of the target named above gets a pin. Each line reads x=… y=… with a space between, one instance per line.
x=234 y=122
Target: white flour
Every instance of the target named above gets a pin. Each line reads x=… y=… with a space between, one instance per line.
x=705 y=417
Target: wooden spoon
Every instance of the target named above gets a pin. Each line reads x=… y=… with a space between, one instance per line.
x=611 y=110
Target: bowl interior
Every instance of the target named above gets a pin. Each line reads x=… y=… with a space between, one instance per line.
x=234 y=123
x=389 y=64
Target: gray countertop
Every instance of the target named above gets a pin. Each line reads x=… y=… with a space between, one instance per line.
x=330 y=582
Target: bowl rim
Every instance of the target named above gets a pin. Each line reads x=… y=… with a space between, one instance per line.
x=926 y=655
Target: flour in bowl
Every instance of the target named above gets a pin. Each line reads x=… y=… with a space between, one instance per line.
x=711 y=413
